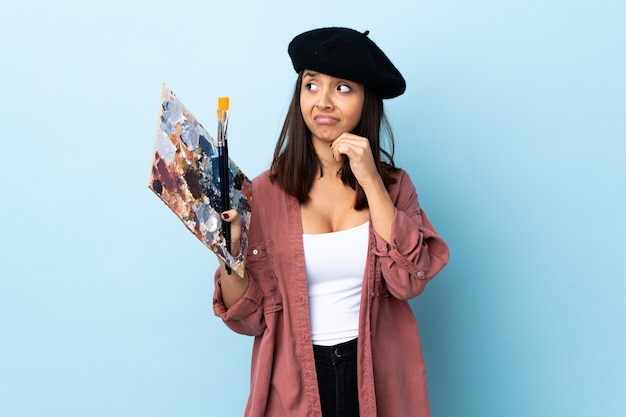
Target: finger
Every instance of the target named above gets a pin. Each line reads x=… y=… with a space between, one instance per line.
x=350 y=149
x=231 y=216
x=348 y=140
x=341 y=146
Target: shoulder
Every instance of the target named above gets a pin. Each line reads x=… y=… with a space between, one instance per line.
x=265 y=191
x=402 y=180
x=269 y=207
x=398 y=173
x=263 y=183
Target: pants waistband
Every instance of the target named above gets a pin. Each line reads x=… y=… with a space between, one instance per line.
x=336 y=353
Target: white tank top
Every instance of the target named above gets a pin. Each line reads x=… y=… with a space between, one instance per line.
x=335 y=266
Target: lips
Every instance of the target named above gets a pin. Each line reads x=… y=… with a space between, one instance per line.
x=325 y=119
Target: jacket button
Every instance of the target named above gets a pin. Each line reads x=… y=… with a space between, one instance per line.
x=255 y=252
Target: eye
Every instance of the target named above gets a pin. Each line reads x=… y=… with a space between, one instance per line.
x=343 y=88
x=310 y=86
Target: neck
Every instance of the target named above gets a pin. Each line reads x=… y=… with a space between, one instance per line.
x=325 y=156
x=330 y=169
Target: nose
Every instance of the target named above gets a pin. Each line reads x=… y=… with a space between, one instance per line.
x=324 y=100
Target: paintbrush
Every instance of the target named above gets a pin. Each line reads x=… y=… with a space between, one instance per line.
x=222 y=148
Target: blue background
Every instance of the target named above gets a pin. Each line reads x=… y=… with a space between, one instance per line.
x=512 y=127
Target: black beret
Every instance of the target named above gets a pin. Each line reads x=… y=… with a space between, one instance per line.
x=348 y=54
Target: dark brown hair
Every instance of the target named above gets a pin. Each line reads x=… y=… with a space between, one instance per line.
x=295 y=164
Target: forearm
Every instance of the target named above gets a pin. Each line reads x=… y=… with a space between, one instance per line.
x=381 y=208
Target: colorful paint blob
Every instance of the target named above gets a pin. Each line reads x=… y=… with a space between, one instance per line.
x=185 y=176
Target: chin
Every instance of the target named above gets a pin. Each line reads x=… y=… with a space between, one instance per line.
x=326 y=135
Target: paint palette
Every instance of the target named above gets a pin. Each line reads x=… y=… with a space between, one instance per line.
x=185 y=176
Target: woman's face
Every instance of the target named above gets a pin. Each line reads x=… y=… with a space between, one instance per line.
x=330 y=106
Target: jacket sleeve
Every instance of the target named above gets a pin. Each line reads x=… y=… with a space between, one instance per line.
x=246 y=315
x=416 y=253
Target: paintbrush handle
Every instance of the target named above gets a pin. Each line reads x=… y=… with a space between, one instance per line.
x=225 y=188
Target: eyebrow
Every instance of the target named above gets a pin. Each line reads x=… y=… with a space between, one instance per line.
x=310 y=74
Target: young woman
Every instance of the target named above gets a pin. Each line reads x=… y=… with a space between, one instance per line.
x=337 y=245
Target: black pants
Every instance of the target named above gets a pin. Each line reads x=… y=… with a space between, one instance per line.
x=336 y=379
